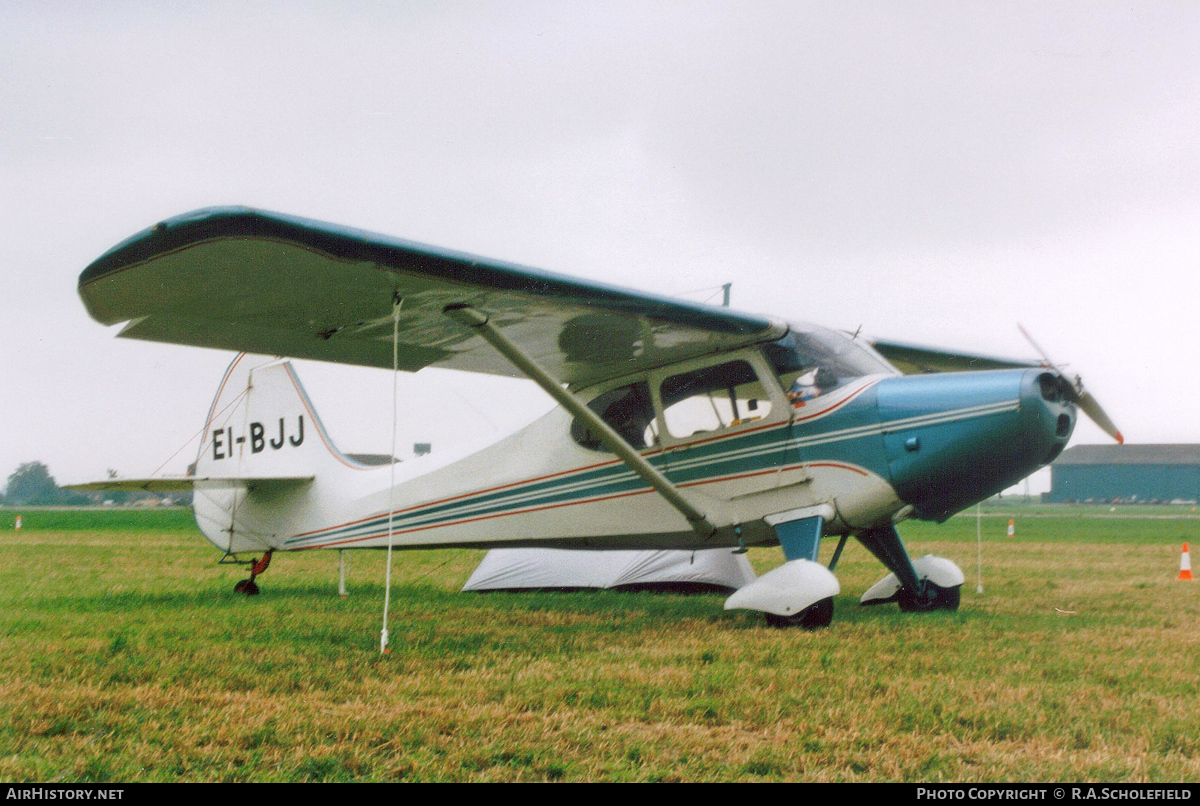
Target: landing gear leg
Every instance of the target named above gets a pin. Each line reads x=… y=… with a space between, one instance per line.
x=918 y=586
x=248 y=586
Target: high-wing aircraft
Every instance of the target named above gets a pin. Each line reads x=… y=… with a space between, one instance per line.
x=679 y=425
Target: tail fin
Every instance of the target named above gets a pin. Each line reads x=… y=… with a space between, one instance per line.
x=261 y=423
x=262 y=453
x=262 y=450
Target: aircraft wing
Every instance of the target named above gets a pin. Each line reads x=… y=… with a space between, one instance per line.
x=913 y=359
x=241 y=279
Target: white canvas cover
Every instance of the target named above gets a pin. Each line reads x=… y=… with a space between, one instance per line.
x=514 y=569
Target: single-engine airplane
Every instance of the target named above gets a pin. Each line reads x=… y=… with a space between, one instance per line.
x=679 y=425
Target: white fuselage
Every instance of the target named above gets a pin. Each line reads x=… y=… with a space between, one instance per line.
x=534 y=487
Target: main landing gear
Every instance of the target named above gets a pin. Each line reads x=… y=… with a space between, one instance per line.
x=813 y=617
x=248 y=586
x=918 y=586
x=800 y=592
x=933 y=597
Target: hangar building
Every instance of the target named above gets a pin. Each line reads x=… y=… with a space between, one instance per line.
x=1141 y=473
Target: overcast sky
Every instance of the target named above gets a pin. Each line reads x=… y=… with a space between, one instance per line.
x=932 y=171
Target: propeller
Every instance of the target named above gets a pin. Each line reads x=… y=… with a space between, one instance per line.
x=1082 y=397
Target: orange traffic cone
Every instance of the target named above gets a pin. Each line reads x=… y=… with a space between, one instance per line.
x=1185 y=564
x=1011 y=529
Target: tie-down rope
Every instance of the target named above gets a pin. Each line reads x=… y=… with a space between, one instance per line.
x=397 y=301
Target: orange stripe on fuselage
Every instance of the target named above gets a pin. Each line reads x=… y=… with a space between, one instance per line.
x=559 y=505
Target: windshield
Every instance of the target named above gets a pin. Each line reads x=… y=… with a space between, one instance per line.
x=823 y=359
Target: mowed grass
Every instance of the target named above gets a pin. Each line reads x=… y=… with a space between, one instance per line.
x=126 y=656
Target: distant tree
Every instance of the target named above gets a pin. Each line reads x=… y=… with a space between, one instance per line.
x=116 y=496
x=32 y=485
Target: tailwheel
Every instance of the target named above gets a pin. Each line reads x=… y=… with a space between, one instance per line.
x=248 y=586
x=932 y=597
x=814 y=617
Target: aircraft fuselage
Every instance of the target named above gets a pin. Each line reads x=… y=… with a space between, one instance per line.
x=876 y=449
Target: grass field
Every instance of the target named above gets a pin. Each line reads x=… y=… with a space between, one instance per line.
x=126 y=656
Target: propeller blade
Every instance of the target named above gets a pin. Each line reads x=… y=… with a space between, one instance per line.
x=1045 y=356
x=1092 y=409
x=1083 y=398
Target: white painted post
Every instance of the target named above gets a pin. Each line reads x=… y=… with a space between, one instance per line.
x=979 y=547
x=342 y=573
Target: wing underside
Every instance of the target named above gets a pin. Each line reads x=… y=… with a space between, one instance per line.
x=248 y=280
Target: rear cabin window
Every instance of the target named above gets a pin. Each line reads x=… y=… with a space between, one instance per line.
x=713 y=398
x=628 y=410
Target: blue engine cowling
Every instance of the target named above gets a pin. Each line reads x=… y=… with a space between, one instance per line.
x=957 y=438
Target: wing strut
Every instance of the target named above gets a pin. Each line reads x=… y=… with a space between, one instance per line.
x=478 y=321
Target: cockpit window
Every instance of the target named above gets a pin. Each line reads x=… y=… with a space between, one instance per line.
x=628 y=410
x=811 y=361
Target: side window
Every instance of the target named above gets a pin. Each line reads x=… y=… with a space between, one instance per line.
x=713 y=398
x=630 y=413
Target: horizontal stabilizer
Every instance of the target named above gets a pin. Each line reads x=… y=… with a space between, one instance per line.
x=177 y=484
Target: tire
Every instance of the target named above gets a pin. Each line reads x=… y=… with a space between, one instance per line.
x=936 y=598
x=814 y=617
x=246 y=586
